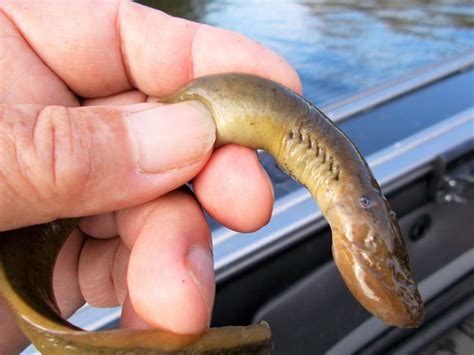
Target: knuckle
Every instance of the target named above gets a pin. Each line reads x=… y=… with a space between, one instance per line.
x=66 y=146
x=46 y=158
x=17 y=173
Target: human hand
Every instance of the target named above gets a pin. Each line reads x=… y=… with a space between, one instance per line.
x=145 y=245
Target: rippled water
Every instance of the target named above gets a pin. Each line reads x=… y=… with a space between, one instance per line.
x=342 y=47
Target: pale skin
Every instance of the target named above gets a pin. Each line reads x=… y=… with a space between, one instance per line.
x=145 y=244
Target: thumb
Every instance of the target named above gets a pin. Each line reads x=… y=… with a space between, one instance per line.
x=65 y=162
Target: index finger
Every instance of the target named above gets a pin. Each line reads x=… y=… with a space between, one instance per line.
x=103 y=48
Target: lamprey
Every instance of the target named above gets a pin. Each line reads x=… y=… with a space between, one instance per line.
x=367 y=244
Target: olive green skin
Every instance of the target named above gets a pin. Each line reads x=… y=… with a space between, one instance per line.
x=258 y=113
x=367 y=244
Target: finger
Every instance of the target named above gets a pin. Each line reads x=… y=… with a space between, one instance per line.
x=240 y=198
x=102 y=272
x=108 y=47
x=100 y=225
x=123 y=98
x=65 y=277
x=36 y=85
x=57 y=162
x=130 y=319
x=170 y=275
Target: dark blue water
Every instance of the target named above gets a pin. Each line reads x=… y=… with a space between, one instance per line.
x=342 y=47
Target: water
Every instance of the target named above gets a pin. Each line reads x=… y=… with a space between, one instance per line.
x=342 y=47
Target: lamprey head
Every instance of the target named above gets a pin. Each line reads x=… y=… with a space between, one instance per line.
x=370 y=253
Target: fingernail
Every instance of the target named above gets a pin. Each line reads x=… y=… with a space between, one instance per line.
x=171 y=136
x=201 y=268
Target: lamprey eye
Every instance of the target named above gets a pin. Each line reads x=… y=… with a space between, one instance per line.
x=365 y=202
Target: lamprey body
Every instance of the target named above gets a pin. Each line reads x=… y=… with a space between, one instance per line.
x=258 y=113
